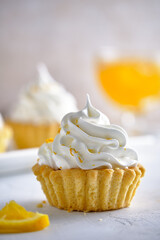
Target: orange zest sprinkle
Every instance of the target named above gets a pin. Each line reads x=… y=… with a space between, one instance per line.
x=43 y=201
x=68 y=132
x=49 y=140
x=75 y=150
x=54 y=152
x=71 y=151
x=93 y=165
x=125 y=149
x=81 y=161
x=91 y=150
x=77 y=125
x=109 y=138
x=120 y=145
x=60 y=167
x=76 y=121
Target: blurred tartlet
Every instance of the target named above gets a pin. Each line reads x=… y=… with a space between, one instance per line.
x=6 y=134
x=39 y=110
x=88 y=166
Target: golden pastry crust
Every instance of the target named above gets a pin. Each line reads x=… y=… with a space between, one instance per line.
x=89 y=190
x=29 y=135
x=6 y=134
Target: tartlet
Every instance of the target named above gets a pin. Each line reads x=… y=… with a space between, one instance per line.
x=6 y=135
x=89 y=190
x=88 y=167
x=39 y=110
x=29 y=135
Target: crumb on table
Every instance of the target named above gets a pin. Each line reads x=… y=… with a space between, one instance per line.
x=39 y=205
x=100 y=220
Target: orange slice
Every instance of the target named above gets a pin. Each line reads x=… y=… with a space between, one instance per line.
x=15 y=219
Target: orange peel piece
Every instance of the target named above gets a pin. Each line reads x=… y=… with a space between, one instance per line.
x=16 y=219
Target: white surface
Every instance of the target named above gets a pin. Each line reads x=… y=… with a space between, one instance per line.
x=140 y=221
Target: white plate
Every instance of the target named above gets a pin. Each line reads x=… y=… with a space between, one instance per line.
x=17 y=160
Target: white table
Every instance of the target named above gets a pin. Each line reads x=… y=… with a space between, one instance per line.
x=140 y=221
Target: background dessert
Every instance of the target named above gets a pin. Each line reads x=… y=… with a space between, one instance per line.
x=39 y=110
x=88 y=166
x=5 y=135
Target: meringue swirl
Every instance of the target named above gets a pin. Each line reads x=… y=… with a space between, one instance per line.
x=87 y=140
x=43 y=101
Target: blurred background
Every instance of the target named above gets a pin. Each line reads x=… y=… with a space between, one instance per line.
x=68 y=37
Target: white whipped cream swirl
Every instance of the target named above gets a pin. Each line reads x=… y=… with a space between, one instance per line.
x=43 y=101
x=87 y=140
